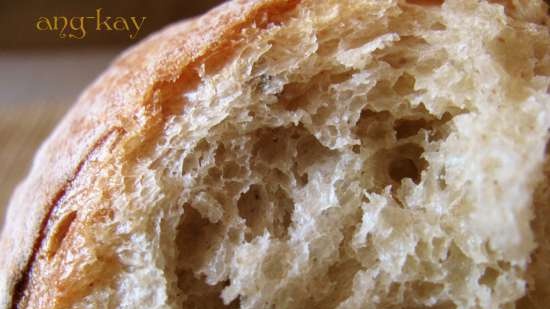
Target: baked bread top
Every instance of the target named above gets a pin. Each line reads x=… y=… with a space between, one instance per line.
x=112 y=178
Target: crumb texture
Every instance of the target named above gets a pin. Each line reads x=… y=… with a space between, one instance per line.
x=357 y=154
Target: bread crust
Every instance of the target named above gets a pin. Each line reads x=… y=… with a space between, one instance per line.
x=120 y=106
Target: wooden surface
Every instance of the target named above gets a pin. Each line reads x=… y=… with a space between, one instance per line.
x=23 y=127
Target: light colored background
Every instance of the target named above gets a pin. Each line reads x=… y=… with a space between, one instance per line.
x=36 y=89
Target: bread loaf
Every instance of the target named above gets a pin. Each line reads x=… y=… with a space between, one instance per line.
x=300 y=154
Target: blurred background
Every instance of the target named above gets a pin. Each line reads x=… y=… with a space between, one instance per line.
x=41 y=74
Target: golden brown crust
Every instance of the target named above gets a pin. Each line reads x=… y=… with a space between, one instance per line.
x=117 y=109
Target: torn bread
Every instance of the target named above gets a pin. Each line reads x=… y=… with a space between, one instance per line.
x=300 y=154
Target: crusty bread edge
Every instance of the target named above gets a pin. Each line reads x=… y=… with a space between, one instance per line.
x=118 y=102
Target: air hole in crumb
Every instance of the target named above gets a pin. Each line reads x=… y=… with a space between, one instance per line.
x=197 y=240
x=439 y=127
x=199 y=294
x=59 y=233
x=489 y=277
x=404 y=168
x=231 y=170
x=429 y=65
x=438 y=26
x=407 y=163
x=220 y=153
x=214 y=174
x=426 y=2
x=310 y=152
x=397 y=61
x=327 y=47
x=356 y=148
x=504 y=265
x=444 y=305
x=282 y=214
x=235 y=304
x=292 y=96
x=409 y=127
x=264 y=210
x=374 y=125
x=188 y=164
x=426 y=289
x=391 y=166
x=303 y=179
x=422 y=249
x=404 y=84
x=439 y=245
x=394 y=290
x=441 y=179
x=193 y=160
x=341 y=276
x=295 y=94
x=271 y=144
x=250 y=209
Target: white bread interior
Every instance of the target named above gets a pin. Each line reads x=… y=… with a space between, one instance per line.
x=359 y=154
